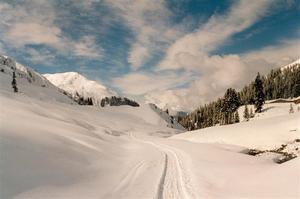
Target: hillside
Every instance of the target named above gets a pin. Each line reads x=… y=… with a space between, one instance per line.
x=29 y=82
x=269 y=129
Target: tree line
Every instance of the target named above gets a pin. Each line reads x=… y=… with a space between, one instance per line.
x=279 y=83
x=118 y=101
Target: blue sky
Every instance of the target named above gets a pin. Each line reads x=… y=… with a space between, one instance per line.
x=163 y=51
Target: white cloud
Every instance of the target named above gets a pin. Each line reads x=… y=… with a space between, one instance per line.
x=141 y=83
x=32 y=22
x=274 y=56
x=33 y=33
x=43 y=56
x=149 y=20
x=197 y=45
x=29 y=23
x=227 y=71
x=87 y=47
x=138 y=55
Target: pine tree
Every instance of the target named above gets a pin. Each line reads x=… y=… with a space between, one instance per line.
x=251 y=113
x=291 y=109
x=102 y=103
x=231 y=103
x=259 y=99
x=246 y=113
x=14 y=83
x=296 y=89
x=236 y=117
x=90 y=101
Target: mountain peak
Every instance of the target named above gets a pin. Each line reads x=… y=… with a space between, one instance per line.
x=77 y=84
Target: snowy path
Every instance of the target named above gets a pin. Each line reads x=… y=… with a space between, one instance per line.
x=175 y=179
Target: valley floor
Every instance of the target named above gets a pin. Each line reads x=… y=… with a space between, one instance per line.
x=57 y=150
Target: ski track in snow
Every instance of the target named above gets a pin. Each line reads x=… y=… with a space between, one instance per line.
x=175 y=181
x=130 y=177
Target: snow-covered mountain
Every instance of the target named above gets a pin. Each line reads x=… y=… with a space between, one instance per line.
x=76 y=84
x=171 y=120
x=29 y=82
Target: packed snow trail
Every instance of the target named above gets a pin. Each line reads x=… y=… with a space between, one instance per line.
x=175 y=180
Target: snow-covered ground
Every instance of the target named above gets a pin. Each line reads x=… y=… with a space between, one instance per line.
x=53 y=148
x=59 y=150
x=270 y=129
x=78 y=151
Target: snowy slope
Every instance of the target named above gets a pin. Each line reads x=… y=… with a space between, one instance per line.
x=56 y=150
x=73 y=83
x=270 y=129
x=295 y=63
x=171 y=121
x=29 y=82
x=70 y=151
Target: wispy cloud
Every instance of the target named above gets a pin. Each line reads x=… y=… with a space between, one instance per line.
x=87 y=47
x=219 y=28
x=138 y=83
x=34 y=23
x=150 y=22
x=23 y=33
x=41 y=56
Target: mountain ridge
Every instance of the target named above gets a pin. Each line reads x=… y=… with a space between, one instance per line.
x=76 y=84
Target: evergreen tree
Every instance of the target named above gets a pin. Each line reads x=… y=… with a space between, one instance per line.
x=236 y=117
x=231 y=103
x=102 y=103
x=90 y=101
x=246 y=113
x=14 y=83
x=296 y=88
x=259 y=99
x=251 y=113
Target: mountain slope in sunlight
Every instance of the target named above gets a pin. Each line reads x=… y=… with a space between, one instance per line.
x=76 y=84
